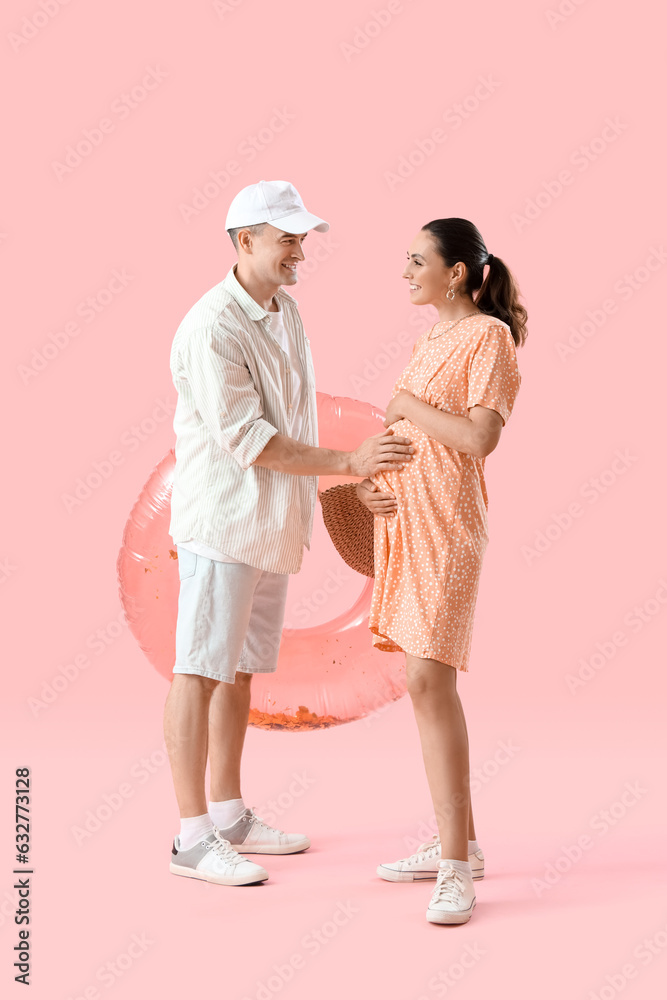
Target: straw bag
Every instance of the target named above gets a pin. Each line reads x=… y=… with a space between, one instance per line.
x=350 y=525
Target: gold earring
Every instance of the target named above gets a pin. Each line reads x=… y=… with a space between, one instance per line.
x=448 y=296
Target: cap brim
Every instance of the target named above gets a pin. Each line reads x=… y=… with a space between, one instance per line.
x=300 y=222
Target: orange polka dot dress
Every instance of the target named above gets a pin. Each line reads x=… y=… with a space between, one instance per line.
x=428 y=554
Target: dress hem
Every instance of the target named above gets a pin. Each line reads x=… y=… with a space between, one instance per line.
x=389 y=645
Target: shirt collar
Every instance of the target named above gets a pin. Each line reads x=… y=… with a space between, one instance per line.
x=252 y=309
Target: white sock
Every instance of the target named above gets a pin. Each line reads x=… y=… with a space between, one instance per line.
x=472 y=846
x=226 y=813
x=193 y=829
x=461 y=866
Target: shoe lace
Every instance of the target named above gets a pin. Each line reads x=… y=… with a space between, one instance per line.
x=221 y=847
x=255 y=817
x=448 y=887
x=426 y=851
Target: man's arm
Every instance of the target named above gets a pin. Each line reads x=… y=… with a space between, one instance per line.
x=225 y=395
x=230 y=406
x=378 y=453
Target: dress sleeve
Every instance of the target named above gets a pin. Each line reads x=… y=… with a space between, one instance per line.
x=493 y=373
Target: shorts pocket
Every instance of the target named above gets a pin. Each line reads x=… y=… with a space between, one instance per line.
x=187 y=563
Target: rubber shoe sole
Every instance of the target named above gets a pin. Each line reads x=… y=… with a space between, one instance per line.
x=391 y=875
x=300 y=845
x=441 y=917
x=217 y=879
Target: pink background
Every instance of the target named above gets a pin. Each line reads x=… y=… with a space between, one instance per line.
x=363 y=796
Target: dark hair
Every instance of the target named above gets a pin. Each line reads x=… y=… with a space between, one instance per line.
x=234 y=233
x=459 y=240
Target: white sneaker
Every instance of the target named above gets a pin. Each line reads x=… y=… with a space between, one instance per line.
x=453 y=898
x=252 y=835
x=214 y=860
x=423 y=864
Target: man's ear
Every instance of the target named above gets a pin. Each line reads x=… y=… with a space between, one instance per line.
x=245 y=240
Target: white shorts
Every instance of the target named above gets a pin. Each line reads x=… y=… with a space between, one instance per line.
x=230 y=617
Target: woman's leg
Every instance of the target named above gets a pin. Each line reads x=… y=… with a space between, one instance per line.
x=471 y=821
x=442 y=730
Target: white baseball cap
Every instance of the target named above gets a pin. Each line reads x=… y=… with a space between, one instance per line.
x=276 y=202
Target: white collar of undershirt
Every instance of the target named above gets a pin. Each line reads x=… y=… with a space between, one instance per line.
x=275 y=317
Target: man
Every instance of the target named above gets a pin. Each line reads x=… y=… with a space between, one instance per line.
x=246 y=416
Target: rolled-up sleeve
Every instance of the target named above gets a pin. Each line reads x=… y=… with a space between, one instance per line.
x=225 y=395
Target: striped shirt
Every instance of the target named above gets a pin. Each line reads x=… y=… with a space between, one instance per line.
x=235 y=391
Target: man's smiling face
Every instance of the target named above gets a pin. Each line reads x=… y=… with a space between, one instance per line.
x=276 y=255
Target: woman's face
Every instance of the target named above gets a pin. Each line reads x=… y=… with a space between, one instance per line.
x=426 y=272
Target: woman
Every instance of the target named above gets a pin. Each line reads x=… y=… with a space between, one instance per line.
x=452 y=401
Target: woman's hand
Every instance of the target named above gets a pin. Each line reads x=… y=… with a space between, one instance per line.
x=395 y=409
x=376 y=501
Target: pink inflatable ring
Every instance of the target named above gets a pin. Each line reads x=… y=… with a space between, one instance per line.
x=328 y=673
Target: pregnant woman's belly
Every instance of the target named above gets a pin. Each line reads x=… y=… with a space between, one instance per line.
x=440 y=488
x=433 y=476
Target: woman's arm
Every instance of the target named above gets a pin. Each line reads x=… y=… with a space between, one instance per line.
x=477 y=434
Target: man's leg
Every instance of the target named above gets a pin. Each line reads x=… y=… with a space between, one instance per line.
x=230 y=705
x=186 y=736
x=214 y=605
x=197 y=852
x=228 y=720
x=227 y=725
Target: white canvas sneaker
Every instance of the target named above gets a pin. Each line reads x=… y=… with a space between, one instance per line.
x=453 y=898
x=252 y=835
x=423 y=864
x=214 y=860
